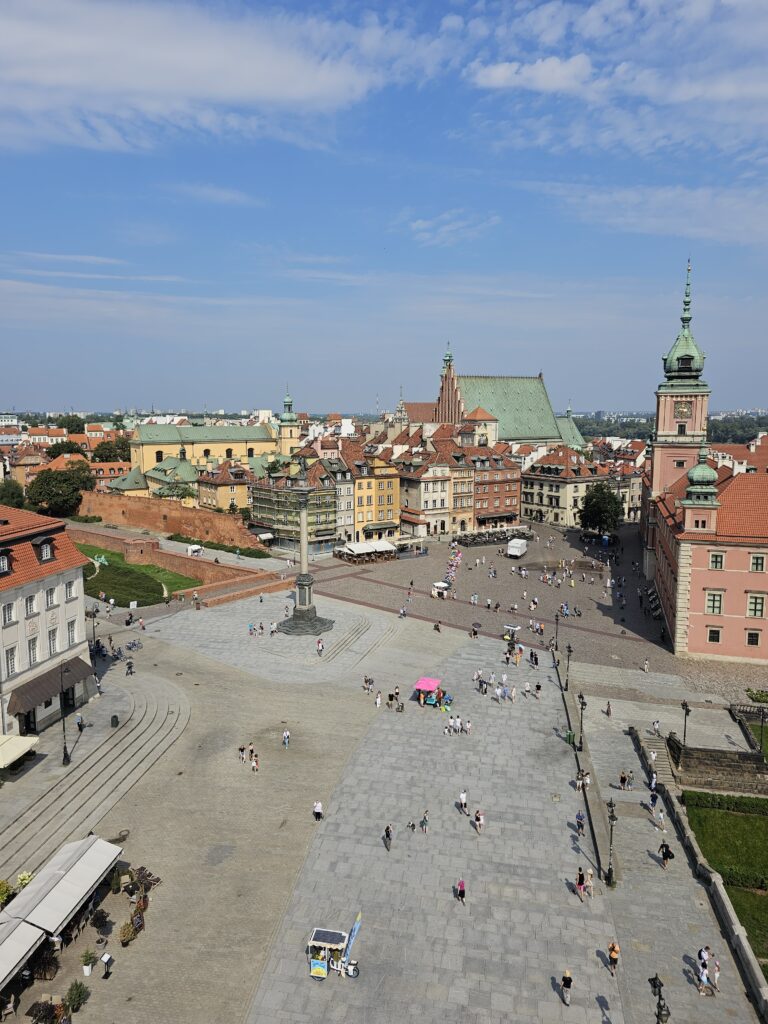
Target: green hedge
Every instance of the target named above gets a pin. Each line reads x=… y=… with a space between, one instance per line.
x=724 y=802
x=758 y=696
x=245 y=552
x=85 y=519
x=743 y=878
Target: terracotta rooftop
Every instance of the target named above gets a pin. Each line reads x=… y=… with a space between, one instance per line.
x=420 y=412
x=18 y=528
x=479 y=415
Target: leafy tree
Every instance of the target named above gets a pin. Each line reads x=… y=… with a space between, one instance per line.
x=176 y=490
x=59 y=492
x=62 y=448
x=73 y=424
x=602 y=509
x=113 y=451
x=11 y=494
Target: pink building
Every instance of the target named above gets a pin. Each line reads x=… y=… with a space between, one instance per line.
x=705 y=530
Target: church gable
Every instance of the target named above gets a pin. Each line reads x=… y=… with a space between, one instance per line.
x=520 y=404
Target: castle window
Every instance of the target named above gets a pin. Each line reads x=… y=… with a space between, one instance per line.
x=757 y=563
x=684 y=362
x=713 y=636
x=717 y=560
x=206 y=453
x=159 y=455
x=753 y=638
x=681 y=429
x=228 y=453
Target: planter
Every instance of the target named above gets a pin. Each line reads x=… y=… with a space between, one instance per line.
x=87 y=968
x=124 y=944
x=101 y=941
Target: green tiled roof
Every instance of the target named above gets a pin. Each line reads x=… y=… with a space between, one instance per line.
x=132 y=481
x=570 y=432
x=173 y=470
x=150 y=433
x=520 y=404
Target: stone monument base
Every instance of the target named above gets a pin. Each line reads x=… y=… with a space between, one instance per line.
x=305 y=622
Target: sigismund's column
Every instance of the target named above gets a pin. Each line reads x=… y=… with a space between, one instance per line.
x=305 y=619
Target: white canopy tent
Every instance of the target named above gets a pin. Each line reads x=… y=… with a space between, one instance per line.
x=18 y=941
x=12 y=748
x=66 y=882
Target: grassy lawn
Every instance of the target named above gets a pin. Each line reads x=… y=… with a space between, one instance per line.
x=752 y=910
x=126 y=583
x=755 y=727
x=730 y=840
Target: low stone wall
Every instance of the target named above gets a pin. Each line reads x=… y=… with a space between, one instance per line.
x=702 y=767
x=165 y=516
x=732 y=927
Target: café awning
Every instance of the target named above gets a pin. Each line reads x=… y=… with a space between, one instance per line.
x=18 y=941
x=12 y=748
x=47 y=685
x=64 y=885
x=265 y=536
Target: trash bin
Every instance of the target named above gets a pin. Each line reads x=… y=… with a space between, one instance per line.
x=570 y=737
x=115 y=721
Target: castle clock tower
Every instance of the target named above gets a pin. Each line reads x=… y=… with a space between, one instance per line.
x=682 y=401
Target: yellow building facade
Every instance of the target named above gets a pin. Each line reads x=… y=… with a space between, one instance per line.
x=152 y=444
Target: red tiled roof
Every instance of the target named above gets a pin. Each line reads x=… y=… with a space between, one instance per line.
x=479 y=414
x=420 y=412
x=17 y=534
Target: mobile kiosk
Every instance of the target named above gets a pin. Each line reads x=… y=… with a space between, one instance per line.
x=325 y=952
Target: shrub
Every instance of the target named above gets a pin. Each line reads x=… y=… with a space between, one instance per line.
x=88 y=958
x=725 y=802
x=85 y=519
x=23 y=879
x=77 y=994
x=127 y=932
x=43 y=1013
x=744 y=878
x=99 y=919
x=758 y=696
x=6 y=891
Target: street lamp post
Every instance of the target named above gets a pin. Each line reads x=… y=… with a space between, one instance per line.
x=612 y=819
x=582 y=706
x=686 y=711
x=568 y=653
x=662 y=1010
x=557 y=628
x=63 y=670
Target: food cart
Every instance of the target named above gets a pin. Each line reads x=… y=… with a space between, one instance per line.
x=441 y=589
x=329 y=951
x=429 y=691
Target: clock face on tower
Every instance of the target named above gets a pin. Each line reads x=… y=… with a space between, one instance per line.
x=683 y=410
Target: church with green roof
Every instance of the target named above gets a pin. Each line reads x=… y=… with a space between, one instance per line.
x=521 y=406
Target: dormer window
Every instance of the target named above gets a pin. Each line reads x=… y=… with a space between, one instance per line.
x=5 y=564
x=685 y=362
x=44 y=547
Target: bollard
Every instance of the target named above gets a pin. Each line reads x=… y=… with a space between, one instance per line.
x=115 y=721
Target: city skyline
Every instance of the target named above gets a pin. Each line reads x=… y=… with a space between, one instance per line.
x=332 y=197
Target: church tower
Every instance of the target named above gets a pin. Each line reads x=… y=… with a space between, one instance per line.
x=682 y=402
x=288 y=434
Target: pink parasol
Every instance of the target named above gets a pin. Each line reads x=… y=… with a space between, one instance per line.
x=427 y=685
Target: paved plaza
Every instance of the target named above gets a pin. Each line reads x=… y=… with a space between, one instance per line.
x=247 y=873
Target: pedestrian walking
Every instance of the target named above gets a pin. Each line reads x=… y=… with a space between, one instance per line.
x=424 y=823
x=589 y=885
x=654 y=755
x=630 y=780
x=660 y=824
x=479 y=821
x=580 y=822
x=715 y=975
x=461 y=891
x=286 y=738
x=580 y=883
x=653 y=800
x=98 y=684
x=141 y=624
x=666 y=854
x=537 y=690
x=79 y=722
x=527 y=690
x=608 y=709
x=320 y=647
x=450 y=724
x=129 y=668
x=241 y=753
x=468 y=728
x=463 y=802
x=497 y=691
x=656 y=728
x=704 y=982
x=623 y=780
x=513 y=694
x=652 y=783
x=645 y=665
x=255 y=763
x=457 y=724
x=388 y=838
x=378 y=699
x=613 y=956
x=565 y=987
x=317 y=810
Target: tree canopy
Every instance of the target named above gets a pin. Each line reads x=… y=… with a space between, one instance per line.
x=11 y=493
x=602 y=509
x=59 y=492
x=73 y=424
x=118 y=450
x=62 y=448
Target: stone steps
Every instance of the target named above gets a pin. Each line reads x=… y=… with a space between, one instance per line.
x=663 y=763
x=161 y=713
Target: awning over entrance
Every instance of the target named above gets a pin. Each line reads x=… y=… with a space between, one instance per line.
x=265 y=536
x=62 y=887
x=14 y=747
x=18 y=941
x=375 y=527
x=47 y=685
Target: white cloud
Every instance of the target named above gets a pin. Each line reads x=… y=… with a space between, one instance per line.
x=115 y=73
x=736 y=215
x=85 y=276
x=214 y=194
x=547 y=75
x=452 y=23
x=59 y=257
x=448 y=228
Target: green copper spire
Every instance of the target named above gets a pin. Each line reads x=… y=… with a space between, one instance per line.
x=287 y=415
x=448 y=357
x=685 y=360
x=702 y=480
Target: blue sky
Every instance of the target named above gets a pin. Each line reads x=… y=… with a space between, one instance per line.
x=202 y=201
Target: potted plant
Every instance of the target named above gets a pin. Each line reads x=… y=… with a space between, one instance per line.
x=77 y=994
x=42 y=1013
x=88 y=959
x=127 y=933
x=100 y=920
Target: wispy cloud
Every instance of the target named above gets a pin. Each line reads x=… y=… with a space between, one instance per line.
x=76 y=275
x=546 y=75
x=736 y=215
x=448 y=228
x=60 y=257
x=206 y=193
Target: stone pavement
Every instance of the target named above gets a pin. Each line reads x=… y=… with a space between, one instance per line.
x=422 y=955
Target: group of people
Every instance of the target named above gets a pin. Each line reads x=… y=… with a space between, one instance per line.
x=251 y=758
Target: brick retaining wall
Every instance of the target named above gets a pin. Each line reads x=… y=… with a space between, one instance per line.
x=165 y=516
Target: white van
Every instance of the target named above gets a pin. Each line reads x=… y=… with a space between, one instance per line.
x=516 y=548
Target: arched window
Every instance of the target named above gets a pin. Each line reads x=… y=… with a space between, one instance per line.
x=159 y=455
x=206 y=453
x=250 y=453
x=228 y=453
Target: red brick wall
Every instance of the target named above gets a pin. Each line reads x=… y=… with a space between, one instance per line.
x=163 y=516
